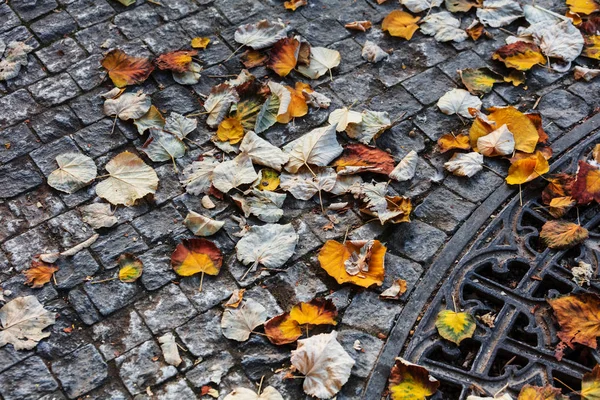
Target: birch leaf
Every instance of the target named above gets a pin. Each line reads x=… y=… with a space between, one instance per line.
x=458 y=101
x=197 y=176
x=262 y=152
x=129 y=179
x=261 y=34
x=265 y=205
x=22 y=321
x=169 y=349
x=318 y=147
x=98 y=215
x=238 y=323
x=218 y=103
x=405 y=170
x=201 y=225
x=373 y=124
x=342 y=117
x=500 y=142
x=322 y=60
x=303 y=185
x=179 y=125
x=444 y=27
x=497 y=13
x=234 y=173
x=270 y=245
x=74 y=172
x=127 y=106
x=162 y=146
x=325 y=364
x=465 y=164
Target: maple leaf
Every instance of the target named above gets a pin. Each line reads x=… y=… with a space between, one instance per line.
x=409 y=381
x=126 y=70
x=336 y=258
x=586 y=186
x=562 y=234
x=130 y=268
x=39 y=274
x=400 y=24
x=455 y=326
x=579 y=318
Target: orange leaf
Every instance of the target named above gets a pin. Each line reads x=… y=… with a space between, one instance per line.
x=126 y=70
x=411 y=382
x=450 y=141
x=587 y=184
x=400 y=24
x=362 y=26
x=548 y=392
x=562 y=234
x=527 y=169
x=200 y=42
x=196 y=255
x=519 y=55
x=297 y=107
x=39 y=274
x=177 y=61
x=282 y=329
x=284 y=56
x=294 y=4
x=358 y=158
x=335 y=258
x=316 y=312
x=254 y=58
x=579 y=318
x=559 y=206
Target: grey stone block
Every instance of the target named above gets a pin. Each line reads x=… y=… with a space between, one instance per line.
x=54 y=26
x=165 y=309
x=54 y=90
x=17 y=141
x=27 y=381
x=17 y=177
x=416 y=240
x=369 y=313
x=124 y=239
x=16 y=107
x=81 y=371
x=120 y=333
x=61 y=54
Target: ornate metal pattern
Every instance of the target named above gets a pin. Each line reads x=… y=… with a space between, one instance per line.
x=508 y=273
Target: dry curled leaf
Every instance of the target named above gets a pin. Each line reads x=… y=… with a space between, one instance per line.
x=373 y=124
x=176 y=61
x=201 y=225
x=578 y=317
x=400 y=24
x=39 y=274
x=547 y=392
x=585 y=73
x=449 y=142
x=126 y=70
x=358 y=262
x=373 y=53
x=361 y=26
x=397 y=289
x=294 y=4
x=236 y=298
x=15 y=57
x=562 y=234
x=261 y=34
x=376 y=202
x=22 y=321
x=98 y=215
x=130 y=268
x=465 y=164
x=169 y=349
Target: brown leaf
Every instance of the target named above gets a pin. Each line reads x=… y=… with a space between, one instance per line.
x=126 y=70
x=39 y=273
x=579 y=318
x=562 y=234
x=362 y=26
x=358 y=158
x=176 y=61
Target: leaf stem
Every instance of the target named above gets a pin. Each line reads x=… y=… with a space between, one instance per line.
x=103 y=280
x=201 y=280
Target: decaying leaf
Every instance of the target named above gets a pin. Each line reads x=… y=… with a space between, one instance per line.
x=234 y=173
x=465 y=164
x=265 y=205
x=520 y=55
x=397 y=289
x=418 y=6
x=53 y=257
x=578 y=317
x=176 y=61
x=409 y=381
x=261 y=34
x=527 y=169
x=547 y=392
x=462 y=6
x=358 y=158
x=362 y=26
x=163 y=146
x=373 y=53
x=562 y=234
x=458 y=101
x=218 y=103
x=268 y=180
x=294 y=4
x=325 y=364
x=74 y=172
x=316 y=312
x=406 y=168
x=303 y=185
x=444 y=27
x=193 y=256
x=22 y=321
x=169 y=349
x=180 y=126
x=267 y=116
x=586 y=186
x=236 y=298
x=270 y=245
x=126 y=70
x=130 y=268
x=262 y=152
x=322 y=60
x=152 y=119
x=15 y=57
x=559 y=206
x=500 y=142
x=129 y=179
x=197 y=176
x=497 y=13
x=585 y=73
x=127 y=106
x=400 y=24
x=590 y=384
x=317 y=147
x=98 y=215
x=269 y=393
x=449 y=142
x=386 y=208
x=39 y=274
x=357 y=262
x=238 y=323
x=201 y=225
x=373 y=124
x=479 y=81
x=455 y=326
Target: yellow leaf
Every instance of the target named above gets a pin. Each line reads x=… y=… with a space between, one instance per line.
x=192 y=256
x=527 y=169
x=284 y=56
x=400 y=24
x=525 y=132
x=591 y=47
x=282 y=329
x=450 y=141
x=590 y=384
x=583 y=6
x=200 y=42
x=562 y=234
x=559 y=206
x=454 y=326
x=130 y=268
x=297 y=107
x=520 y=55
x=294 y=4
x=269 y=180
x=548 y=392
x=411 y=382
x=334 y=258
x=516 y=77
x=316 y=312
x=230 y=130
x=479 y=81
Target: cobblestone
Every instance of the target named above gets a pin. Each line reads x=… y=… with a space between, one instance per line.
x=27 y=381
x=81 y=371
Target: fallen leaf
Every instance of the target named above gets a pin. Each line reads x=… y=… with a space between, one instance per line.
x=129 y=179
x=201 y=225
x=284 y=56
x=282 y=329
x=127 y=106
x=504 y=396
x=200 y=42
x=458 y=101
x=197 y=176
x=559 y=206
x=527 y=169
x=479 y=81
x=180 y=126
x=152 y=119
x=373 y=53
x=377 y=203
x=218 y=103
x=397 y=289
x=294 y=4
x=190 y=77
x=296 y=107
x=268 y=180
x=520 y=55
x=162 y=146
x=269 y=393
x=39 y=274
x=262 y=152
x=317 y=147
x=578 y=318
x=465 y=164
x=560 y=40
x=238 y=323
x=169 y=349
x=316 y=312
x=22 y=321
x=361 y=26
x=418 y=6
x=455 y=326
x=591 y=47
x=267 y=116
x=476 y=30
x=590 y=384
x=15 y=57
x=75 y=171
x=497 y=13
x=500 y=142
x=126 y=70
x=322 y=60
x=583 y=273
x=234 y=173
x=193 y=256
x=336 y=258
x=455 y=6
x=373 y=124
x=176 y=61
x=409 y=381
x=559 y=185
x=562 y=234
x=98 y=215
x=303 y=185
x=261 y=34
x=406 y=168
x=586 y=186
x=130 y=268
x=270 y=245
x=548 y=392
x=236 y=298
x=444 y=27
x=325 y=364
x=449 y=142
x=400 y=24
x=358 y=158
x=253 y=58
x=265 y=205
x=515 y=77
x=230 y=130
x=246 y=112
x=585 y=73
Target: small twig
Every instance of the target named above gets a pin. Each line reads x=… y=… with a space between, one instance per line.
x=201 y=280
x=234 y=52
x=248 y=270
x=491 y=169
x=260 y=385
x=103 y=280
x=113 y=125
x=564 y=384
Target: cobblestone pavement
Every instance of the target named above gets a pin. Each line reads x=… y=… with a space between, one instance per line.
x=53 y=107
